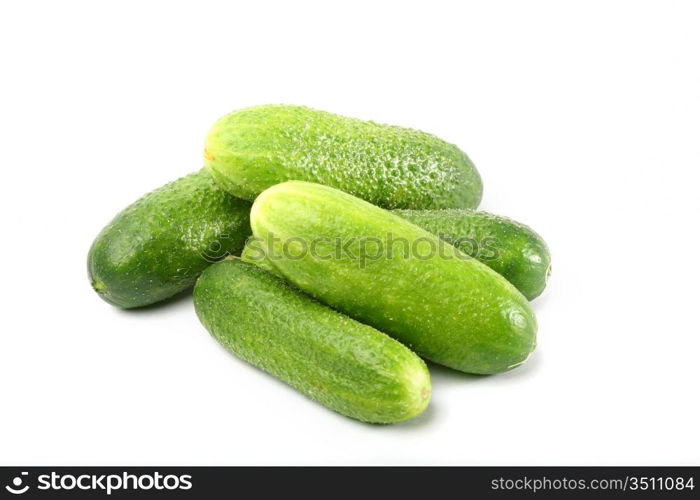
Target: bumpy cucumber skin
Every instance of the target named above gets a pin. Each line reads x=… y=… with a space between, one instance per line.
x=455 y=312
x=393 y=167
x=342 y=364
x=510 y=248
x=158 y=246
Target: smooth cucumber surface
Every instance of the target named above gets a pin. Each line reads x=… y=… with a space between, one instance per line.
x=510 y=248
x=342 y=364
x=252 y=149
x=447 y=307
x=158 y=246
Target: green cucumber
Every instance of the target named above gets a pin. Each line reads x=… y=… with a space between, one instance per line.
x=394 y=167
x=510 y=248
x=344 y=365
x=158 y=246
x=443 y=304
x=254 y=253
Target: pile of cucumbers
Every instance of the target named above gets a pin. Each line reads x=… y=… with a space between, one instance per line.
x=335 y=254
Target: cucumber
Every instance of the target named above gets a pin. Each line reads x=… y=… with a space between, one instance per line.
x=254 y=253
x=344 y=365
x=510 y=248
x=394 y=167
x=443 y=304
x=158 y=246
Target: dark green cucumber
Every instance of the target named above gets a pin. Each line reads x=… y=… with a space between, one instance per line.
x=394 y=167
x=159 y=245
x=445 y=305
x=510 y=248
x=342 y=364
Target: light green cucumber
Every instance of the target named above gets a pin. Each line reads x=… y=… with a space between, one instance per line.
x=158 y=246
x=395 y=276
x=510 y=248
x=342 y=364
x=394 y=167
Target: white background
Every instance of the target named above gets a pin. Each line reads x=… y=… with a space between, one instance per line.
x=583 y=118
